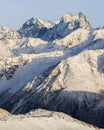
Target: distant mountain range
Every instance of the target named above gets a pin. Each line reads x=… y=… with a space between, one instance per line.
x=50 y=31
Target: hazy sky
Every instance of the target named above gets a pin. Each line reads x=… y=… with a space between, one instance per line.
x=13 y=13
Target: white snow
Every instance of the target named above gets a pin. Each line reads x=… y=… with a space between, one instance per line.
x=44 y=120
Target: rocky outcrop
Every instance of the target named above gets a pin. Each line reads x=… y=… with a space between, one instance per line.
x=3 y=113
x=83 y=21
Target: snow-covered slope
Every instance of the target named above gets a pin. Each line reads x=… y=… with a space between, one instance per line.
x=64 y=73
x=43 y=120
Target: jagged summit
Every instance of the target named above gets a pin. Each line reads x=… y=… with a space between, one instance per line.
x=48 y=31
x=36 y=22
x=80 y=18
x=83 y=21
x=69 y=17
x=34 y=28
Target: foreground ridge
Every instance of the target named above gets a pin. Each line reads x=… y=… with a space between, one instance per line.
x=45 y=120
x=54 y=66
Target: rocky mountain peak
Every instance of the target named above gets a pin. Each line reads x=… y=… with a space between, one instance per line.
x=83 y=21
x=69 y=17
x=33 y=22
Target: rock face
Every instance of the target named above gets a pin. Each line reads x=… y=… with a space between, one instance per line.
x=63 y=74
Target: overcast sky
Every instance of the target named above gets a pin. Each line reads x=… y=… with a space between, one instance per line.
x=13 y=13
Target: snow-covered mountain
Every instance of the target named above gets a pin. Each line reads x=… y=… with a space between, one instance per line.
x=51 y=31
x=55 y=66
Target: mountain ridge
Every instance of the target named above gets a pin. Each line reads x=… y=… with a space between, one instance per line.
x=69 y=22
